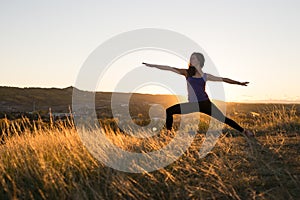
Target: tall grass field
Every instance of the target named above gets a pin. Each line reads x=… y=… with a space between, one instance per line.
x=42 y=160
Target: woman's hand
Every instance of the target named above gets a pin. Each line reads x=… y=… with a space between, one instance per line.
x=244 y=83
x=226 y=80
x=147 y=64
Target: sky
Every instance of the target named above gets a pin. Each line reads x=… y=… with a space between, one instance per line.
x=45 y=43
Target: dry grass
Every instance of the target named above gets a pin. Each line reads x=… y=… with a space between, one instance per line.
x=42 y=161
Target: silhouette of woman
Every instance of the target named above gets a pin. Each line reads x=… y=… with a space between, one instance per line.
x=197 y=96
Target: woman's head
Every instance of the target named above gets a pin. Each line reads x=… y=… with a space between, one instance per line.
x=196 y=59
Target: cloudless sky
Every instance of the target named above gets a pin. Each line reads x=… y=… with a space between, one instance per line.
x=44 y=44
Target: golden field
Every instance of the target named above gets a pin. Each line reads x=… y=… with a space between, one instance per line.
x=42 y=160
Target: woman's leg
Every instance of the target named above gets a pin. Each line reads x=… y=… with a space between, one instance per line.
x=207 y=107
x=180 y=108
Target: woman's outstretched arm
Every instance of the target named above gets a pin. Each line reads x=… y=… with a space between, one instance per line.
x=166 y=67
x=226 y=80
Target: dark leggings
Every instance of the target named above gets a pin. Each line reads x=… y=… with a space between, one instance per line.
x=205 y=106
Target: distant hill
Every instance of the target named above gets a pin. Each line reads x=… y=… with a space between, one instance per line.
x=14 y=99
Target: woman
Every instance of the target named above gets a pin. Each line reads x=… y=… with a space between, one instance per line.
x=197 y=96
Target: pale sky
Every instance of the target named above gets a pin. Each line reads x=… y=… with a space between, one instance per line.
x=44 y=44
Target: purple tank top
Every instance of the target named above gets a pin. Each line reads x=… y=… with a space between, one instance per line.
x=196 y=88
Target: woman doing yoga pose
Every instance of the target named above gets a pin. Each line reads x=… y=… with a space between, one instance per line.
x=197 y=96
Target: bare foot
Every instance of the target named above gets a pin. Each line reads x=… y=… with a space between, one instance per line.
x=170 y=132
x=248 y=133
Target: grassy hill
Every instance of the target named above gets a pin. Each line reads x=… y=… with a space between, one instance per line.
x=16 y=100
